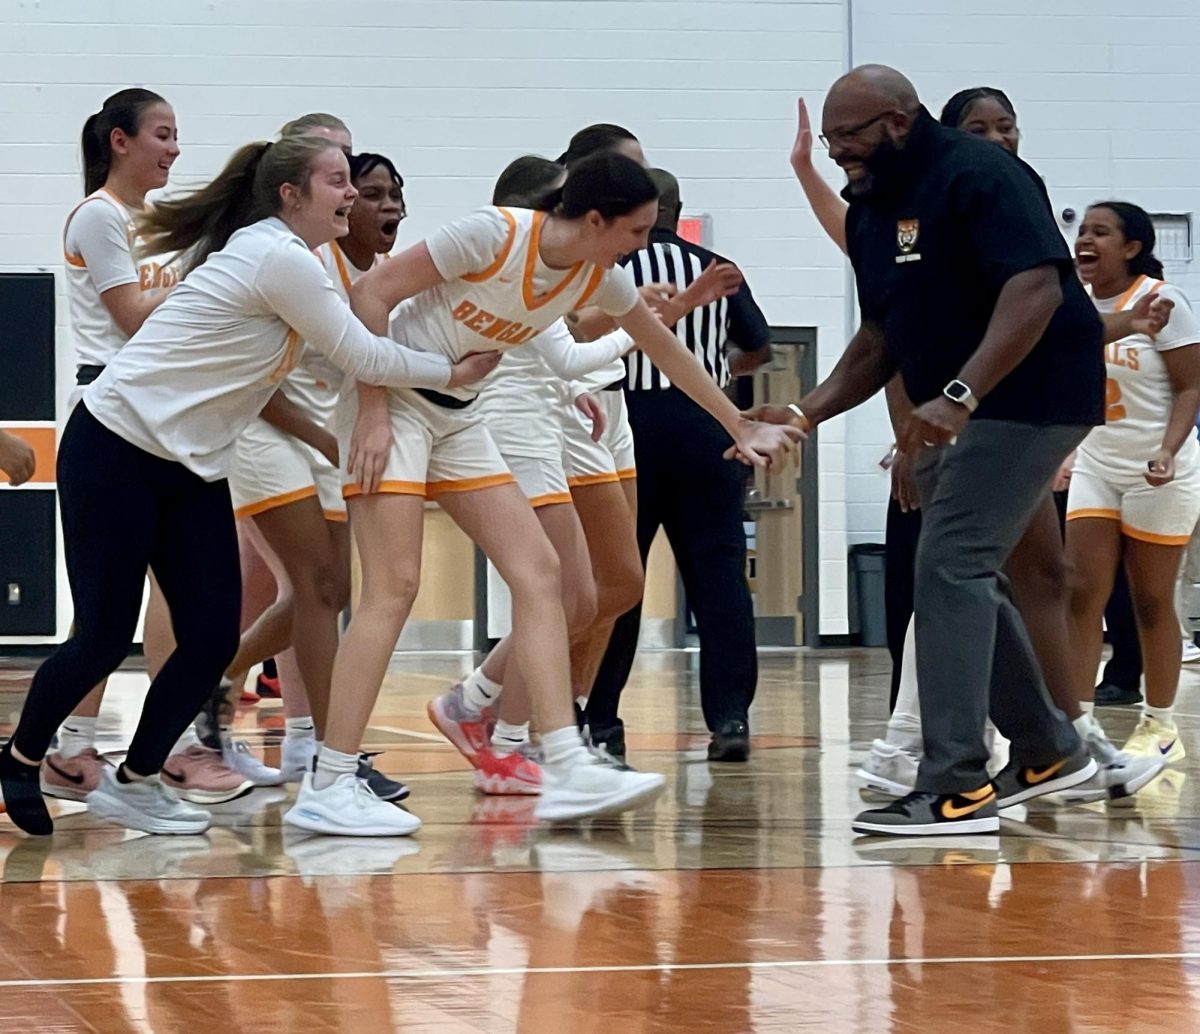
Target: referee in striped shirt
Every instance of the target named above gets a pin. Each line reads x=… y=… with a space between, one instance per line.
x=687 y=488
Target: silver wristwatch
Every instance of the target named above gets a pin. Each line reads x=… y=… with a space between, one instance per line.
x=957 y=391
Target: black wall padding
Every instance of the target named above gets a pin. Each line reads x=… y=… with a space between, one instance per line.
x=26 y=346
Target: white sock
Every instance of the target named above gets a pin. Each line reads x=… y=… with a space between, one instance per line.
x=1087 y=706
x=479 y=691
x=1084 y=724
x=76 y=735
x=1162 y=715
x=301 y=728
x=904 y=726
x=562 y=749
x=331 y=764
x=509 y=737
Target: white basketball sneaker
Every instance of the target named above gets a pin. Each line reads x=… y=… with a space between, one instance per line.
x=145 y=804
x=237 y=755
x=1117 y=774
x=888 y=770
x=588 y=786
x=347 y=807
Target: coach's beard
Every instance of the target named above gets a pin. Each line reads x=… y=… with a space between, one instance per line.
x=882 y=168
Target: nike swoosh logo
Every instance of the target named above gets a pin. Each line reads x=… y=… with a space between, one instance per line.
x=78 y=779
x=172 y=775
x=950 y=811
x=1161 y=749
x=1033 y=777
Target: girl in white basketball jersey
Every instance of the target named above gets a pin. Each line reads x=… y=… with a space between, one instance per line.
x=160 y=423
x=1135 y=490
x=494 y=279
x=536 y=419
x=602 y=478
x=129 y=146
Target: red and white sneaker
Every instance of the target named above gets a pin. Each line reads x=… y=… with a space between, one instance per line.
x=506 y=774
x=72 y=779
x=470 y=733
x=200 y=776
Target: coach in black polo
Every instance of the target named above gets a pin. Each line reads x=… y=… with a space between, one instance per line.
x=968 y=290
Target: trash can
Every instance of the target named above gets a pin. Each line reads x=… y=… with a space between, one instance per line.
x=867 y=565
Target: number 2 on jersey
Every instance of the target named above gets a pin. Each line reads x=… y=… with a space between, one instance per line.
x=1113 y=410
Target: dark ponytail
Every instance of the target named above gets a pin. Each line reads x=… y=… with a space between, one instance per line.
x=528 y=182
x=957 y=106
x=123 y=111
x=1136 y=225
x=608 y=183
x=603 y=136
x=246 y=190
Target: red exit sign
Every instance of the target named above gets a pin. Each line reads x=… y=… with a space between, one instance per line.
x=697 y=229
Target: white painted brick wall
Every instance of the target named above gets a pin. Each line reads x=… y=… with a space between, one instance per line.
x=1108 y=96
x=452 y=91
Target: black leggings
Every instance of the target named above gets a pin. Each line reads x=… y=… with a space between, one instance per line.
x=123 y=511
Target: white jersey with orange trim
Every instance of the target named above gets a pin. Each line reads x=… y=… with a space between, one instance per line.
x=498 y=293
x=99 y=238
x=316 y=383
x=206 y=361
x=1138 y=394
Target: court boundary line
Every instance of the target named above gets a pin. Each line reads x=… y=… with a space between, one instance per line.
x=661 y=967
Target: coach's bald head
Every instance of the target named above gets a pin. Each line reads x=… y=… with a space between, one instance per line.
x=868 y=115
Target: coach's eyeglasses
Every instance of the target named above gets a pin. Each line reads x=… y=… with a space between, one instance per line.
x=852 y=131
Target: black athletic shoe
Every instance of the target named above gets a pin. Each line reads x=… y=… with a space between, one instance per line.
x=731 y=742
x=21 y=795
x=380 y=785
x=1017 y=783
x=933 y=814
x=1109 y=694
x=610 y=739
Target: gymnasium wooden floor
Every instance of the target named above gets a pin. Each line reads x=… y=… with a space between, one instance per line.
x=740 y=904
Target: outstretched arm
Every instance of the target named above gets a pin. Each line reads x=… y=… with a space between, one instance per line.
x=754 y=442
x=829 y=209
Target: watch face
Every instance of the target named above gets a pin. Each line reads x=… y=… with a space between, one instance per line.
x=956 y=390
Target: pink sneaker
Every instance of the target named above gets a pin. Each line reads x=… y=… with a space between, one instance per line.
x=72 y=779
x=199 y=775
x=468 y=732
x=507 y=774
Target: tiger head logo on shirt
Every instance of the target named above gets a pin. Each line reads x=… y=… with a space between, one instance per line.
x=907 y=231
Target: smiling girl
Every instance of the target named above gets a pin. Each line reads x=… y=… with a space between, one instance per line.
x=129 y=147
x=496 y=278
x=160 y=422
x=1135 y=492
